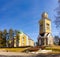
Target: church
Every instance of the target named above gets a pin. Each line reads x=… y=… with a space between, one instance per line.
x=45 y=37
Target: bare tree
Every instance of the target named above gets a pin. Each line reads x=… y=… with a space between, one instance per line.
x=56 y=40
x=57 y=17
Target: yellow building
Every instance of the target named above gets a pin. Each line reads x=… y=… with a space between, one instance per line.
x=31 y=42
x=15 y=41
x=23 y=40
x=10 y=43
x=45 y=35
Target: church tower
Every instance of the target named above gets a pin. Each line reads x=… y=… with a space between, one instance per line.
x=45 y=34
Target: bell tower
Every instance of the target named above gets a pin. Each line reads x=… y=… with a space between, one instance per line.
x=45 y=36
x=44 y=24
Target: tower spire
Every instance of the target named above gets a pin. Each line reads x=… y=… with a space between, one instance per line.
x=45 y=38
x=44 y=15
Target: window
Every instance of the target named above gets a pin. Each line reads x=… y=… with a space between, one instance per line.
x=23 y=39
x=41 y=26
x=48 y=26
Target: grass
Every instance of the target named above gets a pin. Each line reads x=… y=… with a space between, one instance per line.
x=13 y=49
x=53 y=48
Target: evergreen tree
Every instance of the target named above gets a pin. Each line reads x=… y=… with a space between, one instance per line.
x=59 y=41
x=4 y=37
x=1 y=40
x=11 y=37
x=17 y=37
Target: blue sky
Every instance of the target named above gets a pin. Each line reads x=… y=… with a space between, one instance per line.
x=25 y=14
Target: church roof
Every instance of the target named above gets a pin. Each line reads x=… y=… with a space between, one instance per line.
x=20 y=32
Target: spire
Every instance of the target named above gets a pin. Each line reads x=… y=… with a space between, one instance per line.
x=44 y=15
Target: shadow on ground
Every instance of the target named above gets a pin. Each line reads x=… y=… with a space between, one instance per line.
x=39 y=55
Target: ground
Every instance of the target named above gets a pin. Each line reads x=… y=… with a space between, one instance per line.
x=38 y=55
x=16 y=52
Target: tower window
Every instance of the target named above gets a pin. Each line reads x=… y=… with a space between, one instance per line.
x=47 y=26
x=41 y=26
x=23 y=39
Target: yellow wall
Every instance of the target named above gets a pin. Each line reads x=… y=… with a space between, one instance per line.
x=31 y=42
x=48 y=29
x=43 y=26
x=14 y=42
x=23 y=41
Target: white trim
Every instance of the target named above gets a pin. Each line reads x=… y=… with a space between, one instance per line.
x=44 y=25
x=27 y=43
x=50 y=27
